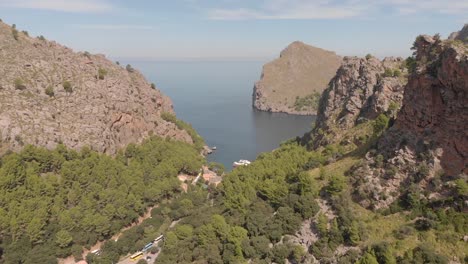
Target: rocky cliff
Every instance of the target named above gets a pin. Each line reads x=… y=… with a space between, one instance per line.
x=428 y=144
x=50 y=94
x=362 y=89
x=461 y=35
x=293 y=83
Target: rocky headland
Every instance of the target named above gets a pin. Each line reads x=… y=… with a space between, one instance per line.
x=294 y=82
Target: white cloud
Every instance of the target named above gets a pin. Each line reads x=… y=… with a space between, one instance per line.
x=76 y=6
x=438 y=6
x=293 y=9
x=333 y=9
x=111 y=26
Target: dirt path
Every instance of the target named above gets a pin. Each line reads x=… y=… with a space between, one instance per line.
x=98 y=245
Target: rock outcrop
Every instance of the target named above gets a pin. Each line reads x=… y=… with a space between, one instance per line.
x=429 y=139
x=50 y=94
x=362 y=89
x=461 y=35
x=293 y=83
x=435 y=107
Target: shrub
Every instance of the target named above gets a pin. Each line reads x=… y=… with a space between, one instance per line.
x=388 y=73
x=118 y=63
x=422 y=171
x=379 y=161
x=393 y=107
x=77 y=251
x=153 y=85
x=129 y=68
x=396 y=73
x=391 y=171
x=41 y=38
x=14 y=32
x=336 y=185
x=19 y=84
x=87 y=54
x=403 y=232
x=196 y=138
x=49 y=91
x=426 y=254
x=462 y=187
x=102 y=73
x=380 y=124
x=67 y=87
x=310 y=101
x=19 y=140
x=423 y=224
x=25 y=33
x=411 y=64
x=368 y=56
x=367 y=258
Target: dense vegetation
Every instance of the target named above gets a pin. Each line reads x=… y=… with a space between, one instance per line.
x=256 y=206
x=196 y=138
x=254 y=215
x=261 y=207
x=310 y=101
x=54 y=202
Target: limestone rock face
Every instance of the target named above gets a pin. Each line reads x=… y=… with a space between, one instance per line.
x=301 y=71
x=360 y=91
x=435 y=106
x=106 y=106
x=428 y=144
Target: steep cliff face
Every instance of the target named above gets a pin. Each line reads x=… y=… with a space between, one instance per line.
x=362 y=89
x=50 y=94
x=293 y=83
x=435 y=107
x=429 y=140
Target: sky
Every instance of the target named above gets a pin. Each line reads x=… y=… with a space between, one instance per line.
x=234 y=29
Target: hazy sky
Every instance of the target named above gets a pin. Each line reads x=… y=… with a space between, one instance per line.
x=234 y=28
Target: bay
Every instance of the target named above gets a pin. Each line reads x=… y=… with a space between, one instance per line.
x=216 y=98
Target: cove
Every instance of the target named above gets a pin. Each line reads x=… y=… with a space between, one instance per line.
x=216 y=98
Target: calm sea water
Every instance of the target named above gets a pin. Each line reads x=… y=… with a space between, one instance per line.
x=216 y=98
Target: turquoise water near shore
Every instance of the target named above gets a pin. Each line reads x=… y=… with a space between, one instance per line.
x=216 y=98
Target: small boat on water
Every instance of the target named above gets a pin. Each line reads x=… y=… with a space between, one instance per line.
x=240 y=163
x=214 y=148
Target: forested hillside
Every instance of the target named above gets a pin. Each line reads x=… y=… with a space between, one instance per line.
x=54 y=202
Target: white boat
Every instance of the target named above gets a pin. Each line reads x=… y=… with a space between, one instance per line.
x=241 y=163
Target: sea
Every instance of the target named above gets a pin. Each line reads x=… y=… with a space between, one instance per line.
x=216 y=98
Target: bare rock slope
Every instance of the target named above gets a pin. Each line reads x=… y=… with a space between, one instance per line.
x=293 y=83
x=50 y=94
x=428 y=143
x=362 y=89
